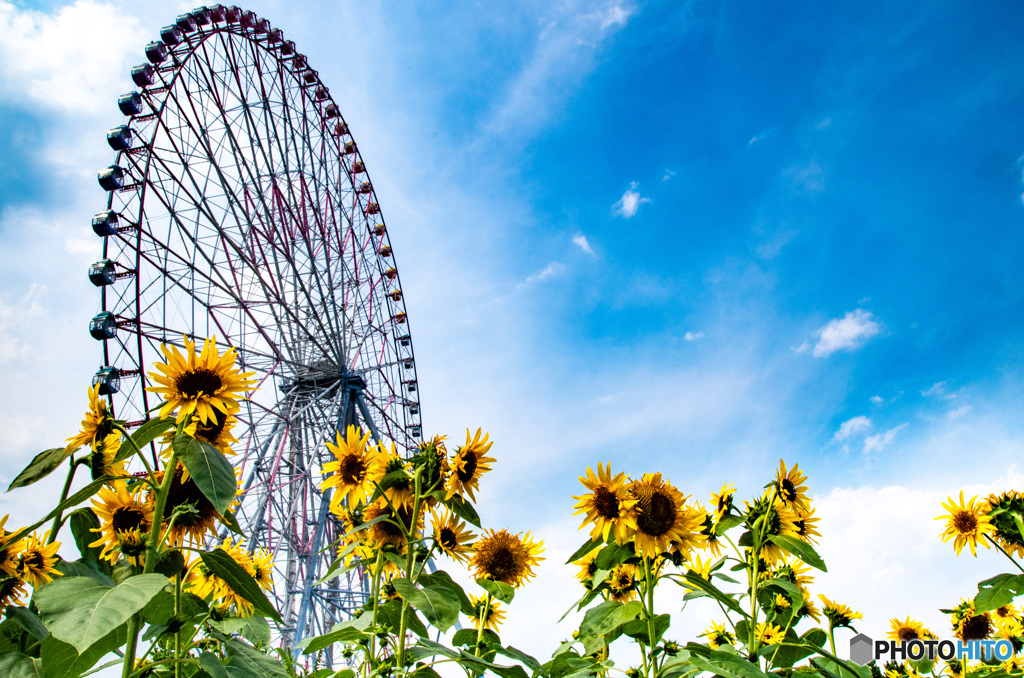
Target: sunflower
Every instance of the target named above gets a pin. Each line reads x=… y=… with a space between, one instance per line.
x=790 y=489
x=809 y=609
x=900 y=670
x=9 y=550
x=711 y=542
x=966 y=524
x=469 y=463
x=13 y=591
x=794 y=571
x=717 y=636
x=506 y=557
x=588 y=567
x=968 y=624
x=38 y=560
x=779 y=604
x=908 y=629
x=806 y=526
x=723 y=501
x=402 y=492
x=622 y=583
x=433 y=455
x=388 y=531
x=958 y=668
x=1002 y=509
x=216 y=431
x=196 y=514
x=97 y=424
x=125 y=520
x=350 y=471
x=662 y=517
x=491 y=613
x=698 y=568
x=838 y=615
x=261 y=567
x=452 y=537
x=608 y=506
x=103 y=461
x=767 y=633
x=776 y=520
x=1013 y=665
x=204 y=583
x=200 y=384
x=1009 y=628
x=1006 y=612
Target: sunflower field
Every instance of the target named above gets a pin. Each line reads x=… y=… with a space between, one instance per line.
x=152 y=594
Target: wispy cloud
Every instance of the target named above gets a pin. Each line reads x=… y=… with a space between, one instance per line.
x=693 y=336
x=959 y=412
x=630 y=202
x=580 y=241
x=879 y=441
x=668 y=175
x=852 y=427
x=938 y=390
x=553 y=269
x=809 y=178
x=767 y=134
x=844 y=334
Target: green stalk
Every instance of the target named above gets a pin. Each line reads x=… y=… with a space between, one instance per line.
x=129 y=650
x=378 y=568
x=177 y=618
x=996 y=544
x=482 y=623
x=649 y=576
x=63 y=496
x=832 y=637
x=409 y=554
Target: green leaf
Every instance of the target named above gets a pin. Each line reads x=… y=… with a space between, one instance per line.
x=62 y=660
x=698 y=582
x=170 y=563
x=467 y=638
x=228 y=518
x=240 y=581
x=582 y=551
x=212 y=665
x=254 y=629
x=497 y=589
x=800 y=549
x=144 y=435
x=213 y=473
x=345 y=632
x=520 y=656
x=998 y=591
x=435 y=603
x=18 y=665
x=605 y=618
x=727 y=523
x=389 y=615
x=637 y=629
x=587 y=598
x=82 y=522
x=504 y=671
x=252 y=660
x=28 y=621
x=40 y=467
x=84 y=568
x=81 y=611
x=442 y=578
x=613 y=555
x=433 y=649
x=463 y=509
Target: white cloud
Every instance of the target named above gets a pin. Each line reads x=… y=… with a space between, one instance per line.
x=877 y=400
x=75 y=59
x=852 y=427
x=17 y=318
x=938 y=390
x=553 y=269
x=767 y=134
x=959 y=412
x=668 y=175
x=824 y=124
x=581 y=241
x=846 y=333
x=693 y=336
x=630 y=202
x=878 y=441
x=809 y=178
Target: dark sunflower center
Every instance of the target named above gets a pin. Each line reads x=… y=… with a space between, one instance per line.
x=127 y=518
x=187 y=492
x=606 y=503
x=907 y=633
x=965 y=522
x=7 y=587
x=788 y=489
x=657 y=514
x=468 y=467
x=502 y=564
x=193 y=383
x=353 y=469
x=211 y=431
x=623 y=580
x=976 y=628
x=34 y=561
x=449 y=540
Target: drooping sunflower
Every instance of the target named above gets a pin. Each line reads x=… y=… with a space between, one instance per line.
x=790 y=488
x=908 y=629
x=506 y=557
x=493 y=616
x=958 y=668
x=838 y=615
x=389 y=530
x=205 y=584
x=452 y=537
x=216 y=431
x=779 y=604
x=708 y=530
x=663 y=519
x=723 y=501
x=622 y=583
x=198 y=385
x=806 y=525
x=103 y=461
x=37 y=563
x=767 y=633
x=197 y=516
x=794 y=571
x=433 y=455
x=351 y=470
x=125 y=520
x=261 y=567
x=609 y=505
x=468 y=464
x=1013 y=665
x=697 y=567
x=9 y=550
x=97 y=424
x=717 y=636
x=966 y=524
x=1001 y=510
x=968 y=624
x=402 y=491
x=778 y=520
x=1010 y=629
x=809 y=609
x=900 y=670
x=13 y=591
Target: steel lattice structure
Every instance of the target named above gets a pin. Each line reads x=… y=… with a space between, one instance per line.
x=239 y=206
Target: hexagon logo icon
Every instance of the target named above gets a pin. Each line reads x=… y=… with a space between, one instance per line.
x=860 y=649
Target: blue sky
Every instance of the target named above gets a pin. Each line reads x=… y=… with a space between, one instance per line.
x=684 y=237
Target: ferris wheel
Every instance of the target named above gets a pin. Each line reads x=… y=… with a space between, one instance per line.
x=239 y=206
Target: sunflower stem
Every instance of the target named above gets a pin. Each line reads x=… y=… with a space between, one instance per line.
x=131 y=441
x=649 y=577
x=832 y=637
x=63 y=495
x=410 y=534
x=177 y=618
x=378 y=568
x=482 y=623
x=1004 y=552
x=129 y=650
